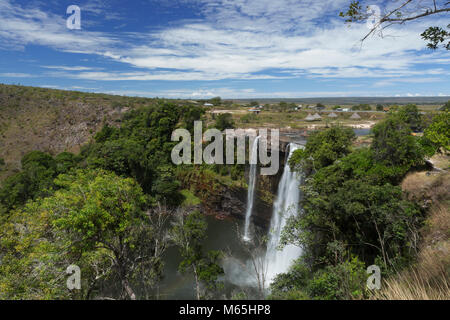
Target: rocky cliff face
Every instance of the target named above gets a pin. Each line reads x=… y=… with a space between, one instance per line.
x=225 y=201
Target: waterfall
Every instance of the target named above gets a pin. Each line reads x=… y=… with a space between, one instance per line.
x=285 y=206
x=251 y=186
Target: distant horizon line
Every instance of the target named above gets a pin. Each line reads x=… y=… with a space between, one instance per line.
x=230 y=98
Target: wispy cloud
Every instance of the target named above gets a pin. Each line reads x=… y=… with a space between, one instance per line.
x=234 y=39
x=21 y=27
x=16 y=75
x=393 y=81
x=66 y=68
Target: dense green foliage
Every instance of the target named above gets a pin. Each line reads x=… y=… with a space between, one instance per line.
x=217 y=101
x=141 y=148
x=344 y=281
x=323 y=148
x=36 y=178
x=393 y=144
x=446 y=107
x=353 y=211
x=95 y=221
x=438 y=133
x=410 y=115
x=224 y=121
x=97 y=210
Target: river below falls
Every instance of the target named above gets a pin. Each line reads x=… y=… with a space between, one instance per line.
x=222 y=235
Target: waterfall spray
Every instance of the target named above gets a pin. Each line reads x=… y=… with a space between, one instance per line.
x=251 y=187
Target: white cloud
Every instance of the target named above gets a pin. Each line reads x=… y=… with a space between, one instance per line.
x=21 y=27
x=393 y=81
x=16 y=75
x=237 y=39
x=66 y=68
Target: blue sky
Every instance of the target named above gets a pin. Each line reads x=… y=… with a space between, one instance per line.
x=204 y=48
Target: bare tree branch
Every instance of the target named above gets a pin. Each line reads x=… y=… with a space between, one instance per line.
x=356 y=13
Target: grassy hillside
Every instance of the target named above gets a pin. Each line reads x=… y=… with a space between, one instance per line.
x=428 y=278
x=53 y=120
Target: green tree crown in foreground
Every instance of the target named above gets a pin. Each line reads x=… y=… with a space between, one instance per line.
x=96 y=220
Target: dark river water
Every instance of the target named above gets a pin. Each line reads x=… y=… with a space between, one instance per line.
x=222 y=235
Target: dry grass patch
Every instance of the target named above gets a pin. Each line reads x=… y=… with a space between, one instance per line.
x=429 y=277
x=427 y=188
x=441 y=161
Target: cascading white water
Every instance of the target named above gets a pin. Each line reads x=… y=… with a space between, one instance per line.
x=285 y=206
x=251 y=187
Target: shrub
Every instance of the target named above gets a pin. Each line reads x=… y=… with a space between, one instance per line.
x=224 y=121
x=344 y=281
x=393 y=144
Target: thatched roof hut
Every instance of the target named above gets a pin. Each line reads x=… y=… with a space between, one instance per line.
x=317 y=116
x=332 y=115
x=310 y=118
x=355 y=116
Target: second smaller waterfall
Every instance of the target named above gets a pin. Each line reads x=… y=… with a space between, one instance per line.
x=251 y=187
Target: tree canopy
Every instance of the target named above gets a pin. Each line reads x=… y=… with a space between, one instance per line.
x=323 y=148
x=96 y=220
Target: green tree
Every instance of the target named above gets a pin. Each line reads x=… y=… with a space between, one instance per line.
x=350 y=198
x=190 y=114
x=446 y=107
x=292 y=284
x=217 y=101
x=35 y=179
x=410 y=114
x=282 y=106
x=320 y=106
x=344 y=281
x=249 y=117
x=66 y=161
x=96 y=220
x=224 y=121
x=142 y=146
x=188 y=233
x=374 y=219
x=439 y=131
x=394 y=145
x=323 y=149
